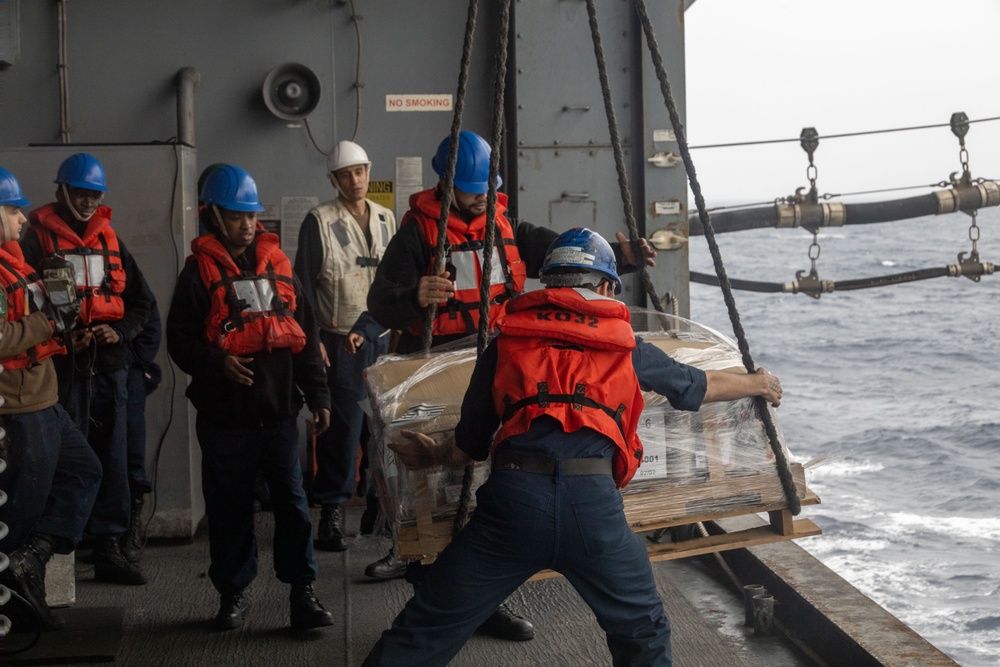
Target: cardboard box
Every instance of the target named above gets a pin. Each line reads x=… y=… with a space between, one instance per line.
x=697 y=465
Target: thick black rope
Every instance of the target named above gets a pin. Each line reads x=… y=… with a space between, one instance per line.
x=449 y=177
x=491 y=198
x=616 y=144
x=462 y=513
x=781 y=461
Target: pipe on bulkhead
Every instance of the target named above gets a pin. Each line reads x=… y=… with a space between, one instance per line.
x=186 y=79
x=63 y=67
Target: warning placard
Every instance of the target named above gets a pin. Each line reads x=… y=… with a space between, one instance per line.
x=380 y=192
x=418 y=102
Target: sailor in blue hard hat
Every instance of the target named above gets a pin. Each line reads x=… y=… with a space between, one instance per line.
x=554 y=402
x=78 y=228
x=11 y=202
x=472 y=171
x=51 y=474
x=240 y=326
x=230 y=194
x=82 y=184
x=407 y=282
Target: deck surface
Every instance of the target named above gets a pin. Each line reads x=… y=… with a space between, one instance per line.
x=168 y=621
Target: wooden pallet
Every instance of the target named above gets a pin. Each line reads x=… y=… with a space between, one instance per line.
x=424 y=539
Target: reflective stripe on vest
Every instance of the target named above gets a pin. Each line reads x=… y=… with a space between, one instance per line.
x=464 y=260
x=96 y=259
x=250 y=311
x=349 y=262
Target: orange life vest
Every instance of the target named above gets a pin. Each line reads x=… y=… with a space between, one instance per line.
x=21 y=283
x=249 y=313
x=569 y=356
x=96 y=260
x=463 y=258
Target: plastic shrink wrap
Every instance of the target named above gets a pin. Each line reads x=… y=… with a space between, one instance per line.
x=697 y=466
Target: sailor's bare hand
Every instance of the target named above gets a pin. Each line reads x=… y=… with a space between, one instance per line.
x=353 y=342
x=770 y=387
x=628 y=257
x=105 y=334
x=434 y=290
x=235 y=370
x=321 y=420
x=417 y=452
x=81 y=339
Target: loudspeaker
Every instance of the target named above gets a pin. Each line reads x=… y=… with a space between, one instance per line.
x=291 y=91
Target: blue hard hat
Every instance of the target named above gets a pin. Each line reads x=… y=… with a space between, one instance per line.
x=472 y=170
x=232 y=188
x=10 y=190
x=82 y=170
x=582 y=249
x=205 y=173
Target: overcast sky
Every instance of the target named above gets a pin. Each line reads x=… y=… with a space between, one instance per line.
x=764 y=69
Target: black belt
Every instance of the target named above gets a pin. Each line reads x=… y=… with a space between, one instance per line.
x=508 y=459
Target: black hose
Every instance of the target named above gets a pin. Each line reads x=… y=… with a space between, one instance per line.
x=894 y=279
x=746 y=285
x=854 y=214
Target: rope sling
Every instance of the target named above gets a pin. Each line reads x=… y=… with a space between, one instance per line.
x=760 y=403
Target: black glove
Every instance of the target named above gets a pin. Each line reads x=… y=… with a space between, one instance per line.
x=63 y=317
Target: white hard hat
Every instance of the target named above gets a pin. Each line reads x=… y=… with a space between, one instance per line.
x=346 y=154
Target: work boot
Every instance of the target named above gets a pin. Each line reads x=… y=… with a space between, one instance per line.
x=306 y=611
x=111 y=566
x=25 y=575
x=330 y=536
x=505 y=624
x=131 y=542
x=232 y=611
x=389 y=567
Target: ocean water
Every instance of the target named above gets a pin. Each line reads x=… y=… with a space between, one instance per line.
x=894 y=394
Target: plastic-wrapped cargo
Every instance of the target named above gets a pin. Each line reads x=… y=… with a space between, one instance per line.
x=696 y=466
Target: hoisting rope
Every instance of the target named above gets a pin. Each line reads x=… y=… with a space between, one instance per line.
x=616 y=144
x=781 y=461
x=449 y=176
x=489 y=242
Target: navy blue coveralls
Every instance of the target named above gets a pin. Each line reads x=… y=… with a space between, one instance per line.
x=244 y=429
x=525 y=522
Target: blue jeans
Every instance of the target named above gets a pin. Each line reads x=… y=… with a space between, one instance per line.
x=96 y=403
x=337 y=447
x=51 y=479
x=135 y=429
x=523 y=523
x=231 y=457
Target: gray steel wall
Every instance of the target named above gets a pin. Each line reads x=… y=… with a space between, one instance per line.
x=122 y=58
